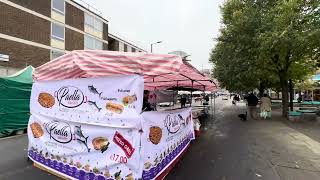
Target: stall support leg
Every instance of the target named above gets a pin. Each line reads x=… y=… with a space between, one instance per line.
x=173 y=99
x=191 y=93
x=211 y=105
x=214 y=105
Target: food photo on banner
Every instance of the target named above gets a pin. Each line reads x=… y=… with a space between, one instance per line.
x=165 y=137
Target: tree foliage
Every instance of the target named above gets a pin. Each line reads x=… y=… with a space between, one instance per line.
x=264 y=43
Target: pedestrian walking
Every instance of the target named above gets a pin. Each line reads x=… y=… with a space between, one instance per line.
x=234 y=100
x=252 y=105
x=265 y=107
x=207 y=98
x=183 y=101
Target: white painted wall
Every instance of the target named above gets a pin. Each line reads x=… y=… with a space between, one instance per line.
x=4 y=71
x=129 y=49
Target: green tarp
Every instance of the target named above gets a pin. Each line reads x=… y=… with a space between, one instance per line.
x=15 y=93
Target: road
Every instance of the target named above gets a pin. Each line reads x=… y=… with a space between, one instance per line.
x=14 y=163
x=228 y=149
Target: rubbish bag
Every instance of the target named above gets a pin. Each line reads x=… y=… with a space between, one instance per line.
x=265 y=114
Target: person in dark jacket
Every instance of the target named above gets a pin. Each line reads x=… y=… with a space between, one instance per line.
x=183 y=101
x=252 y=105
x=146 y=105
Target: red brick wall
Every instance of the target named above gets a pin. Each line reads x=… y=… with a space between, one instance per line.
x=105 y=31
x=21 y=54
x=17 y=23
x=74 y=17
x=113 y=45
x=40 y=6
x=73 y=40
x=105 y=46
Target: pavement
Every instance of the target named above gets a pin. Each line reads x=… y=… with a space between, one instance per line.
x=228 y=149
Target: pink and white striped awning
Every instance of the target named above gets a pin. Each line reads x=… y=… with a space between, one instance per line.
x=160 y=71
x=92 y=63
x=188 y=77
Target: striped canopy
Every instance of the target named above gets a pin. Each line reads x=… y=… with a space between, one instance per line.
x=160 y=71
x=188 y=77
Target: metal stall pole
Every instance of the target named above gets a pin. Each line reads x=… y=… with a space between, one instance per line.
x=214 y=104
x=211 y=104
x=172 y=99
x=191 y=92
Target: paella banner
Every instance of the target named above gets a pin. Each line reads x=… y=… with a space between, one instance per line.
x=165 y=136
x=87 y=128
x=111 y=101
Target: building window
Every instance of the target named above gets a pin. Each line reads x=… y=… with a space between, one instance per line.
x=133 y=50
x=56 y=54
x=98 y=25
x=57 y=32
x=98 y=45
x=58 y=6
x=93 y=22
x=92 y=43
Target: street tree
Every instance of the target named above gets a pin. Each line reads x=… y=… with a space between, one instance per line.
x=266 y=43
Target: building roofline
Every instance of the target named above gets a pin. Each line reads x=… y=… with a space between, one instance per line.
x=100 y=16
x=124 y=41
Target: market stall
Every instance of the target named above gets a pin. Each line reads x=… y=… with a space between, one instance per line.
x=14 y=101
x=87 y=120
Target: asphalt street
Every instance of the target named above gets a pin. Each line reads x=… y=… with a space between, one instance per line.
x=228 y=149
x=14 y=164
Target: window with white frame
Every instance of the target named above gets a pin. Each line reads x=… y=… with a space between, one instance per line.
x=93 y=22
x=92 y=43
x=55 y=54
x=57 y=32
x=58 y=6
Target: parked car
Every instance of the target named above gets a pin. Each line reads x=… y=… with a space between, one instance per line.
x=166 y=104
x=225 y=97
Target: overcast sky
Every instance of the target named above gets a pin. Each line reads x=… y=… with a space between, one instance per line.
x=187 y=25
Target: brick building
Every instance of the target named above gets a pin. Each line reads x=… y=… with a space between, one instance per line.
x=33 y=32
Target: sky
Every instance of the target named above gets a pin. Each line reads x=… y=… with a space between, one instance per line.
x=187 y=25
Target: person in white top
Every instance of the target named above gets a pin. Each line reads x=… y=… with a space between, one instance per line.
x=265 y=107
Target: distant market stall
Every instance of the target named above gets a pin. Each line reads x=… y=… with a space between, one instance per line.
x=14 y=101
x=87 y=120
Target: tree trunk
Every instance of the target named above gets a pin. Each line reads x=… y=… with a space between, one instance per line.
x=261 y=89
x=284 y=90
x=291 y=94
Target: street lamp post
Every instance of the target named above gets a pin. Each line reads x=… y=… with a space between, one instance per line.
x=184 y=58
x=153 y=44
